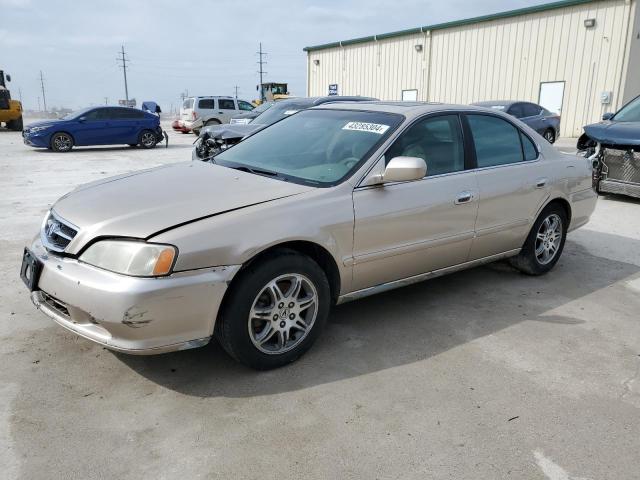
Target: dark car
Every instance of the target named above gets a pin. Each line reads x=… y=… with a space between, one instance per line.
x=216 y=138
x=96 y=126
x=614 y=146
x=538 y=118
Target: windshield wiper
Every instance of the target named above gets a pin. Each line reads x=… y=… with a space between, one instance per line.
x=257 y=171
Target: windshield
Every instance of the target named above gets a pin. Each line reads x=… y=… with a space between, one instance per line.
x=280 y=110
x=313 y=147
x=263 y=107
x=76 y=114
x=629 y=113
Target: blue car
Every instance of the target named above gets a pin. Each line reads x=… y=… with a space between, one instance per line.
x=96 y=126
x=538 y=118
x=613 y=145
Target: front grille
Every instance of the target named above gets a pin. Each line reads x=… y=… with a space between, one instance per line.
x=622 y=165
x=57 y=233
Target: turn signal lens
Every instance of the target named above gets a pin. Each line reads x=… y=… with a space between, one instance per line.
x=164 y=262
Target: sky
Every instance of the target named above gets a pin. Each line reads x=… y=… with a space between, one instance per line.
x=203 y=47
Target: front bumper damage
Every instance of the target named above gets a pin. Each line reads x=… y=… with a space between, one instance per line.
x=128 y=314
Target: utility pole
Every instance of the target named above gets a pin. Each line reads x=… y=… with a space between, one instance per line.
x=106 y=100
x=124 y=61
x=261 y=71
x=236 y=90
x=44 y=98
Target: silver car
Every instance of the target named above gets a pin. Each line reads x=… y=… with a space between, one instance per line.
x=328 y=205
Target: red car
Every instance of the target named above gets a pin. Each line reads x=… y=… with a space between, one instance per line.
x=178 y=126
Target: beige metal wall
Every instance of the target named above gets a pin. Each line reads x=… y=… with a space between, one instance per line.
x=499 y=59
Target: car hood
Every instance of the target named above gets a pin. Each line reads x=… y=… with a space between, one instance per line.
x=145 y=203
x=44 y=123
x=614 y=133
x=234 y=130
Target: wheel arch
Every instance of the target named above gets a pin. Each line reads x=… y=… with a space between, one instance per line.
x=315 y=251
x=562 y=202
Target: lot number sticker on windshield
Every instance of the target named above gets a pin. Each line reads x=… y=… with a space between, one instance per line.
x=366 y=127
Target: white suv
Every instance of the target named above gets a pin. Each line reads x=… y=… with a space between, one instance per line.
x=197 y=112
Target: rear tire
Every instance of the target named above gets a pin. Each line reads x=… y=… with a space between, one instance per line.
x=545 y=242
x=275 y=310
x=212 y=122
x=148 y=139
x=61 y=142
x=550 y=136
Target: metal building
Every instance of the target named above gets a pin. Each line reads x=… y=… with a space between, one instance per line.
x=580 y=58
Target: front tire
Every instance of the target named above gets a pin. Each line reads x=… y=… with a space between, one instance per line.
x=275 y=311
x=15 y=125
x=545 y=242
x=148 y=139
x=61 y=142
x=550 y=136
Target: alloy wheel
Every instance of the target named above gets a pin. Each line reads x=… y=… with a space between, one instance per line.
x=548 y=239
x=148 y=139
x=283 y=313
x=62 y=143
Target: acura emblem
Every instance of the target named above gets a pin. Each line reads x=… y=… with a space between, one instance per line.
x=52 y=229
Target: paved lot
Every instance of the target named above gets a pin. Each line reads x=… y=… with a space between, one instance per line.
x=485 y=374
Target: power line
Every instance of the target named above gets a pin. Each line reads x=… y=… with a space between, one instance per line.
x=261 y=71
x=124 y=61
x=44 y=98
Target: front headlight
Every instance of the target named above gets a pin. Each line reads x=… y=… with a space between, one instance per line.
x=37 y=129
x=138 y=259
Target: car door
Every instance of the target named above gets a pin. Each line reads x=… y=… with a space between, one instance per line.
x=533 y=117
x=226 y=109
x=512 y=184
x=409 y=228
x=90 y=127
x=127 y=125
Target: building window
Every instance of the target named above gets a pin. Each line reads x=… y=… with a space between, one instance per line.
x=409 y=95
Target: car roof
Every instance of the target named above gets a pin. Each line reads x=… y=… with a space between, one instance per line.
x=409 y=109
x=212 y=96
x=504 y=103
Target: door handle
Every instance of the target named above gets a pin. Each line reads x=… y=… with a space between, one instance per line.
x=464 y=197
x=541 y=183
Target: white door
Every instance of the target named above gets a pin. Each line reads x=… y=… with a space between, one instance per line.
x=551 y=95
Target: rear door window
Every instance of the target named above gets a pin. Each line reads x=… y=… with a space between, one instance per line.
x=188 y=103
x=531 y=109
x=497 y=142
x=207 y=104
x=516 y=110
x=225 y=104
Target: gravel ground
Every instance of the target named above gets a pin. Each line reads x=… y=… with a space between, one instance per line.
x=484 y=374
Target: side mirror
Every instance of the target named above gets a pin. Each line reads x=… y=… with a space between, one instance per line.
x=404 y=169
x=8 y=77
x=608 y=116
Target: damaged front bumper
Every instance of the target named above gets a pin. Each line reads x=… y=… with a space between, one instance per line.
x=134 y=315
